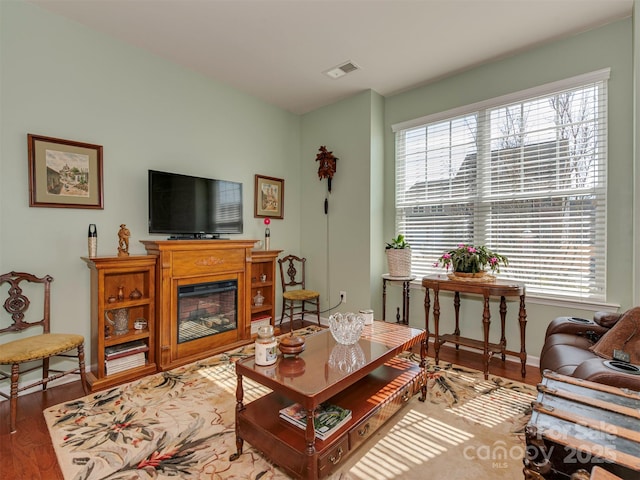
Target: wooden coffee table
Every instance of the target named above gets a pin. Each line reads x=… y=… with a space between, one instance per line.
x=366 y=378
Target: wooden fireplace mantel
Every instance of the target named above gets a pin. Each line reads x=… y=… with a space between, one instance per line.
x=186 y=262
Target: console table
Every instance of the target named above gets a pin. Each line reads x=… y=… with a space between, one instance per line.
x=406 y=288
x=366 y=378
x=497 y=288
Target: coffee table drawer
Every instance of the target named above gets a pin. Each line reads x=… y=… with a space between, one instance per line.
x=365 y=428
x=329 y=461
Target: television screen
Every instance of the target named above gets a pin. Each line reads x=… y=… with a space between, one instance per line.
x=193 y=207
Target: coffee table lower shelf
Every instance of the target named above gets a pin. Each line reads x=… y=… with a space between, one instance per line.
x=372 y=400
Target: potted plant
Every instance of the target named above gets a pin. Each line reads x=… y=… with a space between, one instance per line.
x=469 y=260
x=398 y=253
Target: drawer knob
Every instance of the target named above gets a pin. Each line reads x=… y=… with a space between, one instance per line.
x=363 y=431
x=336 y=458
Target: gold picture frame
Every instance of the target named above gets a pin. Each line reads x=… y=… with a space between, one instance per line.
x=269 y=197
x=64 y=173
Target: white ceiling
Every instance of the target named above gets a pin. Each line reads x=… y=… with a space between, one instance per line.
x=276 y=50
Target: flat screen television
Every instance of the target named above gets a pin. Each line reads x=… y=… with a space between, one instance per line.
x=193 y=207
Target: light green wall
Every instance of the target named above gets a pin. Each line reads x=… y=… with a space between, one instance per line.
x=337 y=245
x=62 y=80
x=609 y=46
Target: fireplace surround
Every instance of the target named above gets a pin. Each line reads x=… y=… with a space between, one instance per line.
x=197 y=282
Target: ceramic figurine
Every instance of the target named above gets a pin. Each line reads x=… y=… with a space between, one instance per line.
x=123 y=241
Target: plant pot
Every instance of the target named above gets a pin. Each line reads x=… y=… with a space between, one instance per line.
x=470 y=275
x=399 y=262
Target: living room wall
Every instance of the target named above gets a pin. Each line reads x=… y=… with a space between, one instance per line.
x=343 y=246
x=62 y=80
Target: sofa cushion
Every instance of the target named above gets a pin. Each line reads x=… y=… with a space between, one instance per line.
x=566 y=339
x=563 y=358
x=624 y=335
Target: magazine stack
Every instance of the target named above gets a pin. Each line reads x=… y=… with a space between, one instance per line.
x=119 y=358
x=327 y=420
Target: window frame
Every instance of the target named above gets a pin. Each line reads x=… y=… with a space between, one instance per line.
x=483 y=108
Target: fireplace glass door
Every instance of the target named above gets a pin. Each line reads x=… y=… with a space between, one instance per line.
x=206 y=309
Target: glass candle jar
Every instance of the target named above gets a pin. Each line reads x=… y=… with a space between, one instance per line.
x=266 y=346
x=258 y=300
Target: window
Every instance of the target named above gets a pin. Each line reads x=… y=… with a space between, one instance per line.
x=524 y=174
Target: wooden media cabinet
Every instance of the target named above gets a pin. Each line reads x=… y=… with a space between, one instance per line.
x=183 y=263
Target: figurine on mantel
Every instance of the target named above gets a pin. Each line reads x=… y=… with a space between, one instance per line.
x=123 y=241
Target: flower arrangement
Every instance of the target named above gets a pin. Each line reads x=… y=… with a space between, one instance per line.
x=471 y=259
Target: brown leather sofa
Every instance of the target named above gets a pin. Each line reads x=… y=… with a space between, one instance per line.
x=584 y=348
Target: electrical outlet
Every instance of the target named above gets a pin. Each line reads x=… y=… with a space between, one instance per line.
x=343 y=296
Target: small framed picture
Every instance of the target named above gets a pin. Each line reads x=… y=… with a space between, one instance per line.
x=269 y=197
x=64 y=173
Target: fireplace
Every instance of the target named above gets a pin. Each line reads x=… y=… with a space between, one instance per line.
x=206 y=309
x=203 y=298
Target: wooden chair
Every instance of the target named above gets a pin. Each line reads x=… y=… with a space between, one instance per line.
x=34 y=347
x=295 y=296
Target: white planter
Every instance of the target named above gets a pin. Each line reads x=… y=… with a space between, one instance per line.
x=399 y=262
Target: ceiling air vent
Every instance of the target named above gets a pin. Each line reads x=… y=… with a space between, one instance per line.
x=342 y=70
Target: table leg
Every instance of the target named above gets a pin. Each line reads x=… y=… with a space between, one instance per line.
x=423 y=366
x=239 y=406
x=427 y=302
x=406 y=286
x=310 y=433
x=486 y=322
x=503 y=316
x=384 y=299
x=522 y=318
x=456 y=307
x=436 y=325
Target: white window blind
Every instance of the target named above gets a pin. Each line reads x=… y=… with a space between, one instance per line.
x=524 y=175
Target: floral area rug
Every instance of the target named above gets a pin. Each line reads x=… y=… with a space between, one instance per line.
x=180 y=423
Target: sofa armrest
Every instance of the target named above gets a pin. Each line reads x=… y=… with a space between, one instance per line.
x=595 y=370
x=576 y=326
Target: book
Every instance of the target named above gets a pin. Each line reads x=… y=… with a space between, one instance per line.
x=125 y=349
x=129 y=359
x=125 y=363
x=328 y=418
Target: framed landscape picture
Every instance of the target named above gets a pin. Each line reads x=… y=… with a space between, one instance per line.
x=269 y=197
x=64 y=173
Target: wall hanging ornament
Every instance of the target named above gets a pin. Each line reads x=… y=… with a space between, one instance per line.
x=326 y=169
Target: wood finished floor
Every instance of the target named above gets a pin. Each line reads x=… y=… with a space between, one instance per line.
x=29 y=454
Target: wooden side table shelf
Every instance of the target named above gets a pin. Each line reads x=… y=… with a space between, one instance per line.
x=263 y=280
x=498 y=288
x=406 y=288
x=113 y=283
